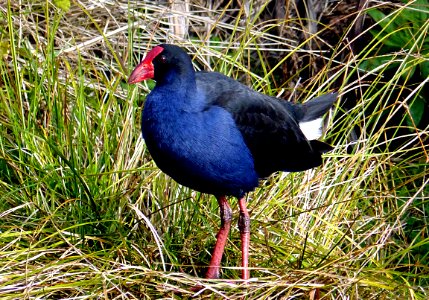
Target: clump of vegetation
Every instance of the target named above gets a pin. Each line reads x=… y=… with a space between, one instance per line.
x=85 y=213
x=401 y=45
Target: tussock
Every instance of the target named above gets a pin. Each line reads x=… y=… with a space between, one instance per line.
x=86 y=214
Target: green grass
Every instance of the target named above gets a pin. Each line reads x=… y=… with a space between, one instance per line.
x=85 y=213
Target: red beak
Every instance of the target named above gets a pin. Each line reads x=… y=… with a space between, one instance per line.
x=145 y=70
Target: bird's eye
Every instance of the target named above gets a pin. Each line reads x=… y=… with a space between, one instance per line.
x=163 y=59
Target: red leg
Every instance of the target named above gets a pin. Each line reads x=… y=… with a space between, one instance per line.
x=244 y=226
x=222 y=236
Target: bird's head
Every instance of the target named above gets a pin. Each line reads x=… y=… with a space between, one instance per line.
x=161 y=63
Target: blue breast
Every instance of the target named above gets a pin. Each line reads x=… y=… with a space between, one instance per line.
x=199 y=147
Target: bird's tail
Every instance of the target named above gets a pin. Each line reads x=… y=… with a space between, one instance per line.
x=311 y=115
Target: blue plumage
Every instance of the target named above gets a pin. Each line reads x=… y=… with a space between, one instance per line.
x=201 y=149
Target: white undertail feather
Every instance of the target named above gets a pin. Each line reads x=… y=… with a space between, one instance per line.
x=312 y=129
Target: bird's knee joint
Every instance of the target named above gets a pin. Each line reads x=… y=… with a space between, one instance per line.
x=244 y=223
x=226 y=214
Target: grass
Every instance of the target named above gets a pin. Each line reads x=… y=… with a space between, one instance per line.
x=85 y=213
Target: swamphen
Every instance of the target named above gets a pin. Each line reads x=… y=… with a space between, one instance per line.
x=217 y=136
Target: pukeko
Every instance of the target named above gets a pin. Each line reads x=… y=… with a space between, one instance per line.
x=217 y=136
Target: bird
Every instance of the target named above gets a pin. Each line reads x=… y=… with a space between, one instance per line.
x=215 y=135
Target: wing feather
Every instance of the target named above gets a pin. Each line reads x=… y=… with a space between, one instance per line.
x=269 y=127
